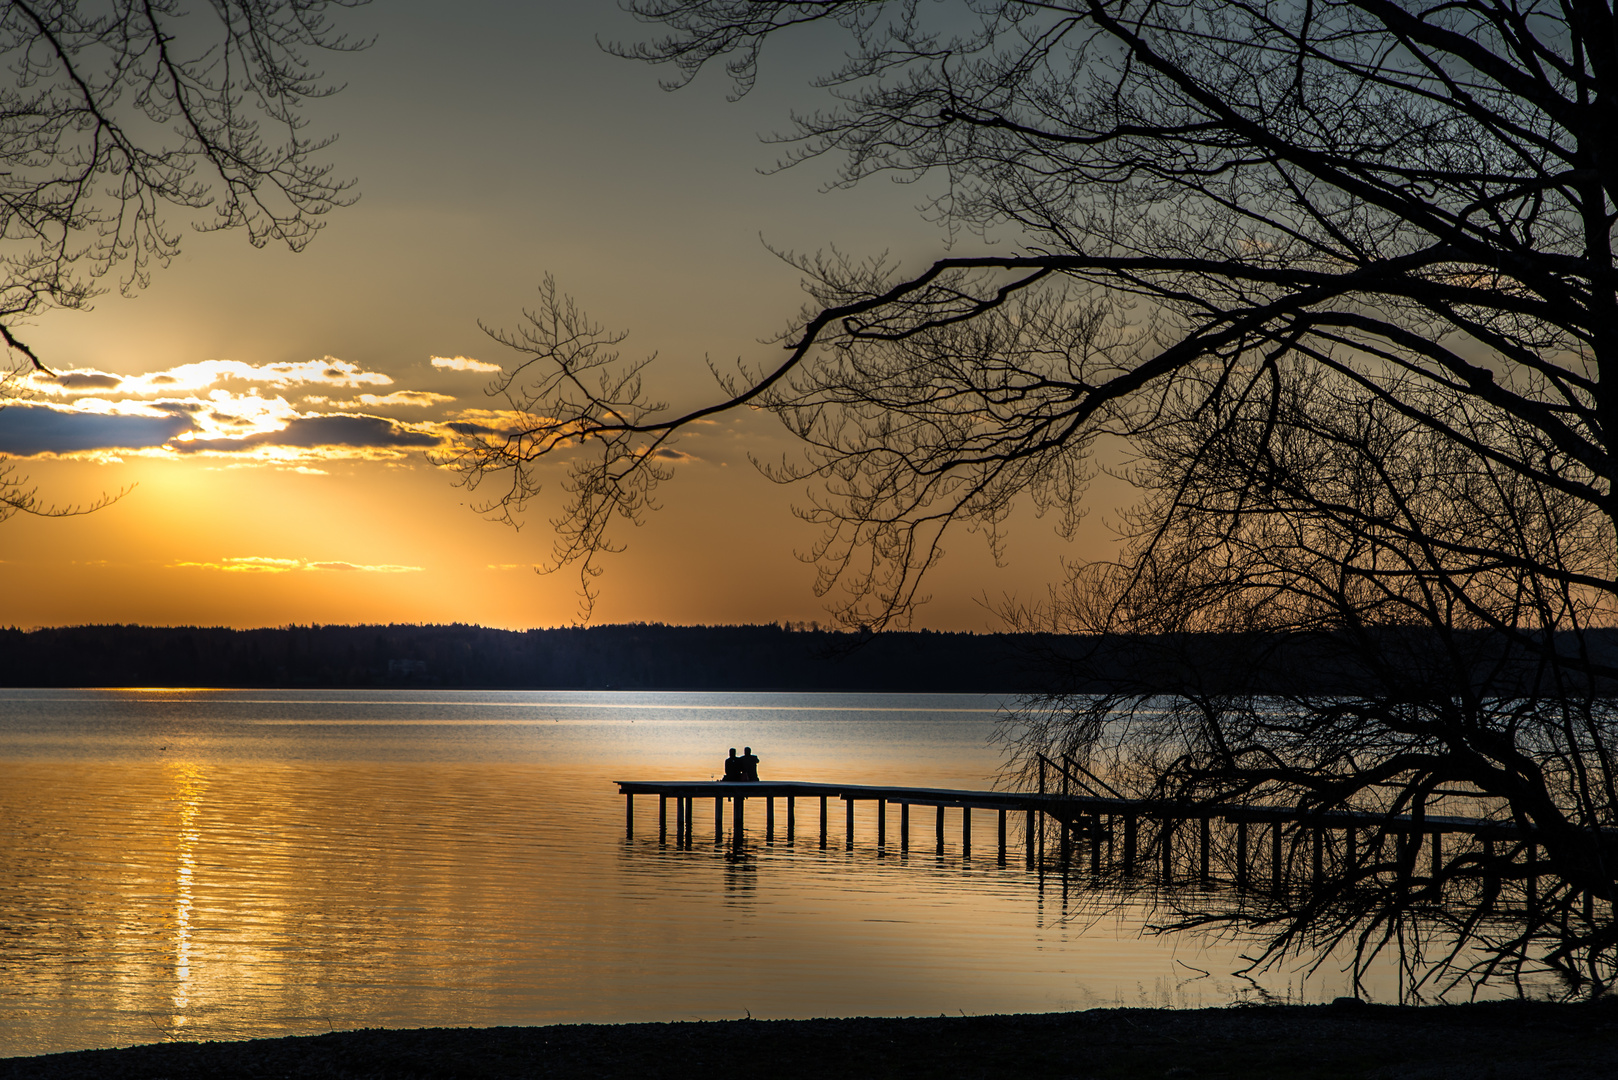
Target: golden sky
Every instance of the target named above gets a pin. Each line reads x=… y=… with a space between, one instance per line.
x=271 y=415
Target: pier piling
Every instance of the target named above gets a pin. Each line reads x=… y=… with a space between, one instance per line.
x=1302 y=844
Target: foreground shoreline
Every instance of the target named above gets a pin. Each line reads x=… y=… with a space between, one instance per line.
x=1504 y=1039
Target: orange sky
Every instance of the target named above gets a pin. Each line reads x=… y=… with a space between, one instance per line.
x=269 y=412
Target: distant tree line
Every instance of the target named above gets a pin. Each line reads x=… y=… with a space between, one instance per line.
x=631 y=657
x=642 y=656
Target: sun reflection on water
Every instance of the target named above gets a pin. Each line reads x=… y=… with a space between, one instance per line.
x=243 y=865
x=189 y=782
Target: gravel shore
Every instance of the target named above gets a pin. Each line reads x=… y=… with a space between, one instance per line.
x=1508 y=1039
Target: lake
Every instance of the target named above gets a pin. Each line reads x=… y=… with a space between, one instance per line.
x=201 y=864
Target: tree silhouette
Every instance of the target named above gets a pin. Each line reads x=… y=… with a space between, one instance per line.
x=1340 y=274
x=117 y=111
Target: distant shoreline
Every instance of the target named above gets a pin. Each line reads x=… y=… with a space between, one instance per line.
x=1504 y=1039
x=658 y=657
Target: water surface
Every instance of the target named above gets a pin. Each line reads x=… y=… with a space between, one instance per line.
x=233 y=864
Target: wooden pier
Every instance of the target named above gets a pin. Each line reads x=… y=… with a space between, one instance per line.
x=1082 y=824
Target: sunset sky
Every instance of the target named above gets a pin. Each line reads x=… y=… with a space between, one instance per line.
x=270 y=414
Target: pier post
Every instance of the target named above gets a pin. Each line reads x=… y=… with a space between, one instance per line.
x=690 y=820
x=966 y=832
x=718 y=819
x=629 y=817
x=1095 y=843
x=1129 y=843
x=1066 y=851
x=1002 y=836
x=904 y=828
x=662 y=819
x=737 y=829
x=1202 y=854
x=679 y=820
x=1276 y=882
x=769 y=819
x=823 y=823
x=848 y=842
x=1241 y=854
x=791 y=817
x=1028 y=837
x=881 y=826
x=940 y=829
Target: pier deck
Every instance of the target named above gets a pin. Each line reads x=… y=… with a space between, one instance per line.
x=1179 y=840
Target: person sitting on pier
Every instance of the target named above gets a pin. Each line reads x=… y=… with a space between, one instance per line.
x=749 y=765
x=733 y=766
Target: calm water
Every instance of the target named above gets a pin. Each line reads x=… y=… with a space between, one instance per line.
x=185 y=864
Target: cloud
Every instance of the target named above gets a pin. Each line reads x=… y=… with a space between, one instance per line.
x=259 y=564
x=416 y=399
x=307 y=432
x=205 y=374
x=26 y=430
x=224 y=408
x=247 y=564
x=88 y=380
x=464 y=363
x=492 y=422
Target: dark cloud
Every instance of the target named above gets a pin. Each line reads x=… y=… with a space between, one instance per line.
x=311 y=431
x=26 y=430
x=95 y=381
x=466 y=427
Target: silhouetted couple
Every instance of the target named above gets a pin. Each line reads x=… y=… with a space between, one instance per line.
x=742 y=768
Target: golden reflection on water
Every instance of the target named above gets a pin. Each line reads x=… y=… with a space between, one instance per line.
x=201 y=874
x=190 y=782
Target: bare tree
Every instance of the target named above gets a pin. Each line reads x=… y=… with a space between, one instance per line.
x=1341 y=274
x=118 y=110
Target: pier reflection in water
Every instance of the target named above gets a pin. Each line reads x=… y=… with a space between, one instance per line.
x=208 y=865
